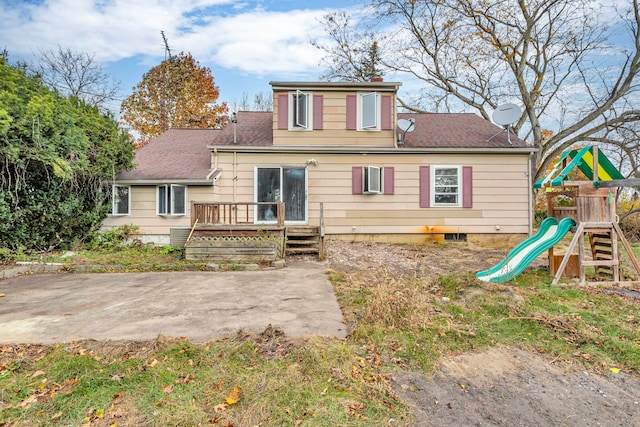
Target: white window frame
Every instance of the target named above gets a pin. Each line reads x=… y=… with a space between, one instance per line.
x=115 y=198
x=372 y=180
x=366 y=122
x=434 y=194
x=295 y=123
x=170 y=200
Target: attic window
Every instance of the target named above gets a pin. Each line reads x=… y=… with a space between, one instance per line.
x=300 y=111
x=369 y=111
x=372 y=180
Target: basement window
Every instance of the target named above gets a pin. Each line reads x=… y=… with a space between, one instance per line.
x=455 y=237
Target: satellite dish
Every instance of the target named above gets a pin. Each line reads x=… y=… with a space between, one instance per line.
x=406 y=125
x=506 y=114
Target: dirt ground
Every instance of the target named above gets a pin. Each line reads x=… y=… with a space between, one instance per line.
x=499 y=386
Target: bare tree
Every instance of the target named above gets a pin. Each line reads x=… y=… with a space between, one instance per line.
x=261 y=102
x=355 y=56
x=553 y=57
x=77 y=74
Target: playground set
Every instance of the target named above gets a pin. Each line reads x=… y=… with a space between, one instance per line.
x=585 y=208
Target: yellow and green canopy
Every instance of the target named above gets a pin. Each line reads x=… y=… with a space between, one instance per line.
x=584 y=160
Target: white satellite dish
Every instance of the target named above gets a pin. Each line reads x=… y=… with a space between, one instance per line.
x=506 y=114
x=406 y=125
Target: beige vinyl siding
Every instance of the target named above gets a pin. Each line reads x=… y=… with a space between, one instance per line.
x=500 y=192
x=334 y=127
x=143 y=210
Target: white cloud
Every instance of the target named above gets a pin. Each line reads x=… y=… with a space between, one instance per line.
x=262 y=42
x=221 y=32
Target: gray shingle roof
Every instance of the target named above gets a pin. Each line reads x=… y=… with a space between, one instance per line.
x=456 y=130
x=253 y=129
x=176 y=154
x=184 y=153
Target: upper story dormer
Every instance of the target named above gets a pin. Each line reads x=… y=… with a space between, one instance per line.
x=335 y=113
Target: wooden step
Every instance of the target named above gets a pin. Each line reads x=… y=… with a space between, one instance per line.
x=302 y=242
x=302 y=250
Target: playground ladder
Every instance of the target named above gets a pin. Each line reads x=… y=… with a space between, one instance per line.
x=602 y=250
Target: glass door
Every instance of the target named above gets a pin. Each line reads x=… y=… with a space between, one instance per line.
x=286 y=184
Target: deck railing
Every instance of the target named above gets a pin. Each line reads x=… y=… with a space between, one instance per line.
x=240 y=213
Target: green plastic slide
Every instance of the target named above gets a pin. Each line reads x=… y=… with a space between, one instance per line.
x=550 y=233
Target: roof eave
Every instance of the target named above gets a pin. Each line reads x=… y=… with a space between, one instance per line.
x=160 y=181
x=337 y=86
x=372 y=150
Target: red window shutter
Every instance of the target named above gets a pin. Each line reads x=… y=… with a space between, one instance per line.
x=352 y=112
x=356 y=180
x=467 y=187
x=425 y=187
x=317 y=112
x=388 y=180
x=385 y=107
x=283 y=111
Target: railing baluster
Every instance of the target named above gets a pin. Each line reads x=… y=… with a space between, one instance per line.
x=222 y=213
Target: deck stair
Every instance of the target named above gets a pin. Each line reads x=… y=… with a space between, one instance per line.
x=304 y=240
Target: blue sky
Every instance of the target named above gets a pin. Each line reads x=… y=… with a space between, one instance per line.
x=246 y=44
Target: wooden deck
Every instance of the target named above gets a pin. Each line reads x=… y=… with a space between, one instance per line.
x=229 y=232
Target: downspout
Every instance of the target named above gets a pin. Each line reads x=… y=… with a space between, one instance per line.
x=215 y=170
x=235 y=176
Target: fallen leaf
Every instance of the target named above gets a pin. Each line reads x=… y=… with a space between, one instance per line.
x=153 y=363
x=234 y=396
x=168 y=389
x=221 y=407
x=2 y=295
x=37 y=374
x=29 y=401
x=615 y=370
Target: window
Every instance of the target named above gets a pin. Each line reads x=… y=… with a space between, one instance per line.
x=172 y=199
x=447 y=186
x=369 y=111
x=372 y=183
x=300 y=111
x=120 y=200
x=372 y=180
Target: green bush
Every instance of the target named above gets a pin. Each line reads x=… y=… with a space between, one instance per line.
x=113 y=238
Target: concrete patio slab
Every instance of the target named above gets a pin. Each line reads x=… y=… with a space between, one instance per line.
x=202 y=306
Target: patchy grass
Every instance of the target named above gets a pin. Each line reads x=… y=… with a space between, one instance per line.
x=397 y=323
x=238 y=381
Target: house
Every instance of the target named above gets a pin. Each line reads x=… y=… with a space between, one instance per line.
x=339 y=154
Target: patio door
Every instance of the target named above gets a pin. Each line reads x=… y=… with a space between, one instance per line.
x=281 y=183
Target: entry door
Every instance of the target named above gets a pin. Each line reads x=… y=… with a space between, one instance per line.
x=288 y=184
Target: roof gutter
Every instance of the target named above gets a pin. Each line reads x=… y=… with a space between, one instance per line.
x=162 y=181
x=368 y=150
x=337 y=86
